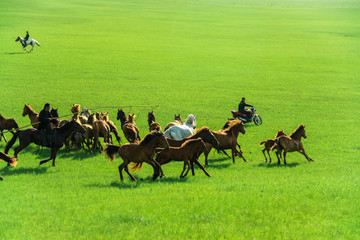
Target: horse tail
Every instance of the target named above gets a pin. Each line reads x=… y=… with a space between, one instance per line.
x=11 y=160
x=111 y=151
x=11 y=142
x=136 y=166
x=262 y=142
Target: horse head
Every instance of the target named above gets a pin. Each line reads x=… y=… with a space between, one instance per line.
x=151 y=117
x=191 y=121
x=178 y=118
x=25 y=110
x=121 y=115
x=85 y=112
x=18 y=39
x=206 y=135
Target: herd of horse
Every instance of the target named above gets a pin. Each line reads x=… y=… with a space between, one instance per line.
x=179 y=141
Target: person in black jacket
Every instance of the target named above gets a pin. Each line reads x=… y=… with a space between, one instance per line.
x=45 y=119
x=26 y=38
x=241 y=108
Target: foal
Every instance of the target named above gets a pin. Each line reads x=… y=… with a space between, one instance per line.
x=139 y=153
x=131 y=132
x=269 y=143
x=183 y=153
x=7 y=124
x=292 y=143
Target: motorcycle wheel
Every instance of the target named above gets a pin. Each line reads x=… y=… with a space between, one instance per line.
x=257 y=120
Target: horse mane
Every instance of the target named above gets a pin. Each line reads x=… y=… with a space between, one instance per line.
x=190 y=142
x=297 y=130
x=232 y=124
x=202 y=129
x=149 y=137
x=28 y=107
x=65 y=127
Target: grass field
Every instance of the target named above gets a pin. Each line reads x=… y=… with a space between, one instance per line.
x=296 y=61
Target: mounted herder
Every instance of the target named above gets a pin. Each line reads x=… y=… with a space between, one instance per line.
x=26 y=41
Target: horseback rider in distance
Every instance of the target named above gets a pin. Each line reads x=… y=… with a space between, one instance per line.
x=26 y=38
x=241 y=108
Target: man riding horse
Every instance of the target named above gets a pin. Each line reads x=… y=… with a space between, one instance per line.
x=45 y=124
x=25 y=39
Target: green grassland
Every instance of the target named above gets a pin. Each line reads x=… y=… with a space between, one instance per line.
x=296 y=61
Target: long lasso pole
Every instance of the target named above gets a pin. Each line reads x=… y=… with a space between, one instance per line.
x=106 y=107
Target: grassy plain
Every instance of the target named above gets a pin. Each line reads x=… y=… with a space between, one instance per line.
x=296 y=61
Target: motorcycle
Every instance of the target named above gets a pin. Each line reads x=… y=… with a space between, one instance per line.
x=243 y=117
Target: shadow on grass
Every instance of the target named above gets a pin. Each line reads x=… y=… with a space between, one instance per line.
x=8 y=170
x=13 y=53
x=273 y=165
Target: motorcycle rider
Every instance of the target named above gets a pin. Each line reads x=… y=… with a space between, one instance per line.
x=241 y=108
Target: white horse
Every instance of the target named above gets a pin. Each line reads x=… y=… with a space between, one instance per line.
x=30 y=41
x=178 y=132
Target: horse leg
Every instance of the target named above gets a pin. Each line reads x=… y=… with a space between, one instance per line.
x=156 y=168
x=226 y=153
x=263 y=151
x=200 y=166
x=127 y=171
x=184 y=168
x=268 y=152
x=285 y=152
x=121 y=166
x=160 y=169
x=239 y=153
x=53 y=153
x=302 y=151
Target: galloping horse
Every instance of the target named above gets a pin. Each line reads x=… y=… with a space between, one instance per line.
x=32 y=135
x=34 y=116
x=182 y=131
x=30 y=41
x=269 y=143
x=292 y=143
x=228 y=139
x=131 y=132
x=7 y=124
x=177 y=121
x=10 y=160
x=139 y=153
x=100 y=129
x=153 y=125
x=112 y=126
x=183 y=153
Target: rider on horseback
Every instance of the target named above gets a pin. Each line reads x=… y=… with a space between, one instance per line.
x=241 y=108
x=45 y=125
x=25 y=39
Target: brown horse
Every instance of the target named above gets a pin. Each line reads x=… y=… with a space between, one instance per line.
x=292 y=143
x=10 y=160
x=139 y=153
x=113 y=128
x=100 y=129
x=131 y=132
x=32 y=135
x=34 y=116
x=228 y=140
x=177 y=121
x=153 y=125
x=184 y=153
x=269 y=143
x=7 y=124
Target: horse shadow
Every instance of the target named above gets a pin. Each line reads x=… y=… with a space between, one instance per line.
x=273 y=165
x=13 y=53
x=9 y=171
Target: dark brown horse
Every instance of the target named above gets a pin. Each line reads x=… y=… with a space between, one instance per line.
x=131 y=132
x=153 y=125
x=34 y=116
x=269 y=143
x=228 y=139
x=292 y=143
x=177 y=121
x=139 y=153
x=185 y=153
x=7 y=124
x=10 y=160
x=32 y=135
